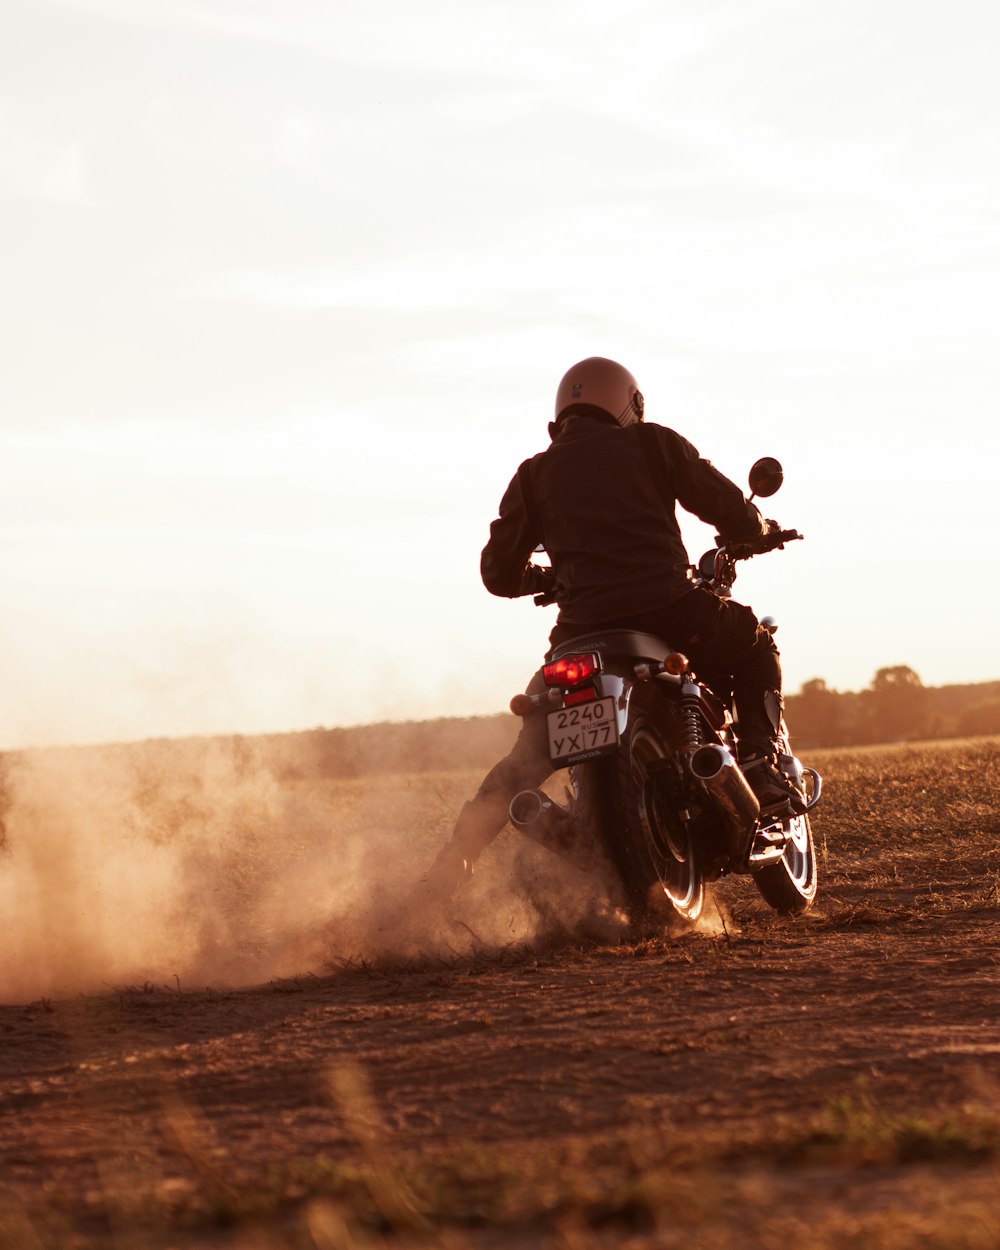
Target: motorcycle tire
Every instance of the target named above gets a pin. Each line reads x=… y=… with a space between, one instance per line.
x=789 y=884
x=657 y=855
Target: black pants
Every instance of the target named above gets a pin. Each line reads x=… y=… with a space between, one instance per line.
x=727 y=648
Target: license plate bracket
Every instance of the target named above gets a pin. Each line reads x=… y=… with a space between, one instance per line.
x=582 y=731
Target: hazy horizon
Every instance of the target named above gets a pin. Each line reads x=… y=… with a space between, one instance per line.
x=288 y=292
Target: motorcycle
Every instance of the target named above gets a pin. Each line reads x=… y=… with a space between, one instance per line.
x=651 y=751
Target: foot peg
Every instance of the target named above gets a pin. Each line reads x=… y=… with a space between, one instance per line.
x=768 y=844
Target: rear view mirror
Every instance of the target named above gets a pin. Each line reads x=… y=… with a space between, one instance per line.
x=766 y=477
x=706 y=565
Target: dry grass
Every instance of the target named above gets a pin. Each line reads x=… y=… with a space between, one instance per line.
x=908 y=832
x=921 y=812
x=912 y=795
x=634 y=1187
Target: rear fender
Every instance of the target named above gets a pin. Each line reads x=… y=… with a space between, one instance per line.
x=630 y=695
x=620 y=689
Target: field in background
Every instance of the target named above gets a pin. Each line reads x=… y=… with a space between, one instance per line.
x=495 y=1076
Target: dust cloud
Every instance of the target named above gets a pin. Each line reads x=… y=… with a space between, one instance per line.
x=212 y=864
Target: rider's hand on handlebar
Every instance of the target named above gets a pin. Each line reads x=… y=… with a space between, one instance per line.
x=776 y=537
x=543 y=584
x=773 y=538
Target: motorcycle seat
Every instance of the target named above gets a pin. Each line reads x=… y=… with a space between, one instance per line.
x=625 y=643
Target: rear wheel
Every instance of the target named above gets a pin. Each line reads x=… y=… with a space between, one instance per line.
x=665 y=866
x=789 y=884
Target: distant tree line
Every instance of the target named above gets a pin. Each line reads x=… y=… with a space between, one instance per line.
x=896 y=707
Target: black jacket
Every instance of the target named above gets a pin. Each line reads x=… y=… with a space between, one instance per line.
x=614 y=545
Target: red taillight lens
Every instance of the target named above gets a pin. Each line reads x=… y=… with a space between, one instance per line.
x=586 y=695
x=571 y=670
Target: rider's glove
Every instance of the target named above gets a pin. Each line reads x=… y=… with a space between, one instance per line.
x=540 y=582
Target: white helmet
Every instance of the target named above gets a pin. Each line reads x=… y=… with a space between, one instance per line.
x=604 y=384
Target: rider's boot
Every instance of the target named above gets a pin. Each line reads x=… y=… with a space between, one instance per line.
x=479 y=822
x=448 y=872
x=760 y=713
x=776 y=793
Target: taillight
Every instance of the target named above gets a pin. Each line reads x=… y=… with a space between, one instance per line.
x=571 y=670
x=586 y=695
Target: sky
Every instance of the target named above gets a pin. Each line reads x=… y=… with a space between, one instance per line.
x=288 y=286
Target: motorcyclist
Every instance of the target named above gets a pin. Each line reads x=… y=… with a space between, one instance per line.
x=601 y=498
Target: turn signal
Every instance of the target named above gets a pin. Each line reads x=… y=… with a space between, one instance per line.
x=521 y=704
x=571 y=670
x=675 y=663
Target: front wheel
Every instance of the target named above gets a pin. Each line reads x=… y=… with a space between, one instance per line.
x=662 y=841
x=789 y=884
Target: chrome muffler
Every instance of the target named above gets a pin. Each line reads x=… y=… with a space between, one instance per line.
x=719 y=775
x=529 y=806
x=550 y=824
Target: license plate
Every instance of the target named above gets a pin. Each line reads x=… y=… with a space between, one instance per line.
x=582 y=731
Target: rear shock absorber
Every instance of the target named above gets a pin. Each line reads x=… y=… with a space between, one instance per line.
x=691 y=723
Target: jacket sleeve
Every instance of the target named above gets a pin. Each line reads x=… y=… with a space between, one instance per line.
x=505 y=565
x=700 y=488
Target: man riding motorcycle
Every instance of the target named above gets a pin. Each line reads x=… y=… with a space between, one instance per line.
x=601 y=499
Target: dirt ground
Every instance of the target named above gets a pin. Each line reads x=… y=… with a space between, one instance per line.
x=827 y=1081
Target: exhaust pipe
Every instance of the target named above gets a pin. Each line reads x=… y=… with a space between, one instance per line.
x=529 y=806
x=718 y=774
x=551 y=825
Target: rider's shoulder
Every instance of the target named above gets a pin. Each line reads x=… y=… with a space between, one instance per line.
x=669 y=439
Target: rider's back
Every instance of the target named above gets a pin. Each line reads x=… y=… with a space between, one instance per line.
x=610 y=529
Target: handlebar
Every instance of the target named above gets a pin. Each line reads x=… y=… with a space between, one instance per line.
x=745 y=548
x=716 y=570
